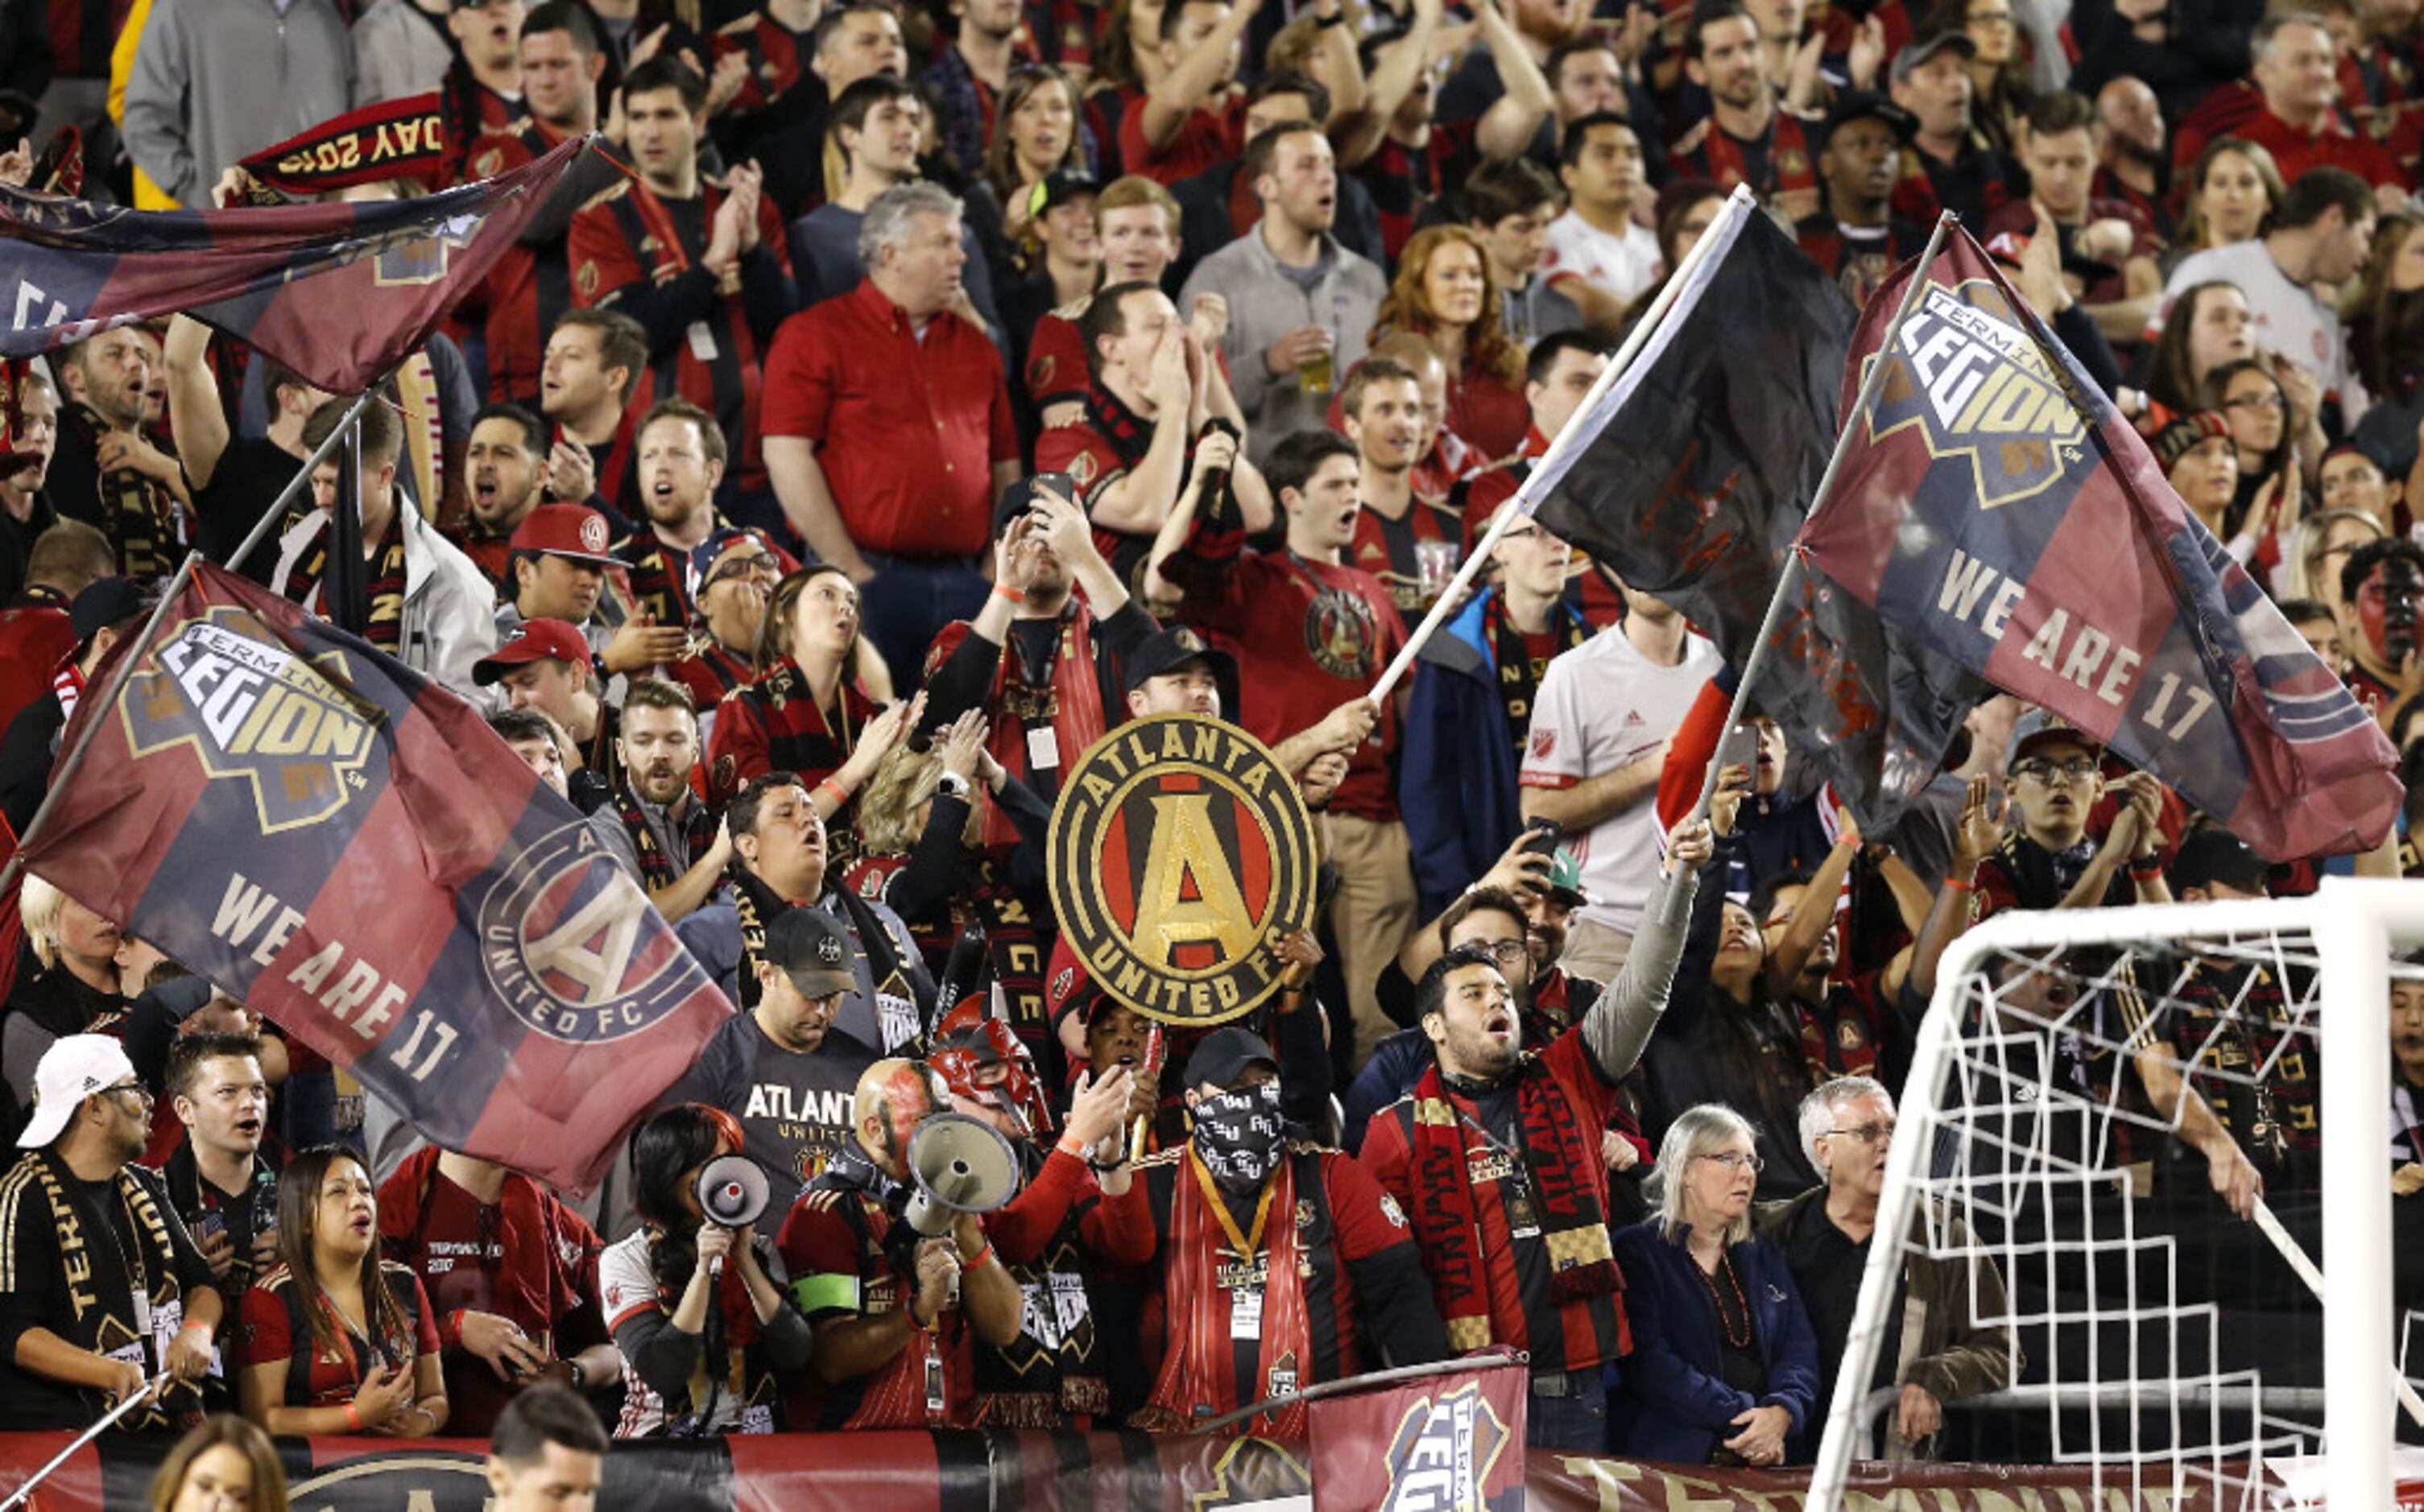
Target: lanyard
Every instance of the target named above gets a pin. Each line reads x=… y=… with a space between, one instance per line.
x=1246 y=1245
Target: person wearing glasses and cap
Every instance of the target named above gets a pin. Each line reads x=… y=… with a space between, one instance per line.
x=102 y=1290
x=2050 y=859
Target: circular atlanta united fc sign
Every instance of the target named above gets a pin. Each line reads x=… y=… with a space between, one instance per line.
x=1180 y=851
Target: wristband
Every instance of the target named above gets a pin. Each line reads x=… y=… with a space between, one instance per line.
x=2145 y=871
x=839 y=794
x=1952 y=886
x=1069 y=1146
x=1016 y=596
x=981 y=1259
x=449 y=1333
x=353 y=1417
x=192 y=1324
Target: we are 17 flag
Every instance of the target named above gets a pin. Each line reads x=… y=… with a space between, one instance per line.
x=348 y=849
x=1995 y=507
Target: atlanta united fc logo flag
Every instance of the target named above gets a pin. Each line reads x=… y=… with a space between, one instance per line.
x=348 y=849
x=1995 y=507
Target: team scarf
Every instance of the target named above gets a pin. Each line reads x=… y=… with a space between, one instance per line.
x=1063 y=692
x=1573 y=1225
x=1518 y=689
x=894 y=1396
x=95 y=1322
x=1206 y=1258
x=533 y=1280
x=67 y=685
x=385 y=590
x=757 y=905
x=1048 y=1374
x=656 y=869
x=710 y=670
x=142 y=519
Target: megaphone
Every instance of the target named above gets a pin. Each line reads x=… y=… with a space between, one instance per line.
x=731 y=1192
x=958 y=1165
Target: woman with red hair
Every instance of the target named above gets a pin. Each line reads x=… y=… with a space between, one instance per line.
x=1443 y=294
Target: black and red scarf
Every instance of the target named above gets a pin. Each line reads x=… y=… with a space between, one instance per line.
x=656 y=869
x=1519 y=686
x=142 y=519
x=1062 y=692
x=1573 y=1224
x=1790 y=169
x=384 y=592
x=1204 y=1252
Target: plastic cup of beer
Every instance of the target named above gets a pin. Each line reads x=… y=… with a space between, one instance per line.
x=1318 y=372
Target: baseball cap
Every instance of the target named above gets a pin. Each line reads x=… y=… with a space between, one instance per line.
x=1225 y=1054
x=534 y=640
x=1058 y=188
x=1919 y=48
x=1566 y=881
x=72 y=1069
x=572 y=530
x=2213 y=854
x=2037 y=728
x=1020 y=498
x=102 y=604
x=1866 y=104
x=1171 y=649
x=813 y=947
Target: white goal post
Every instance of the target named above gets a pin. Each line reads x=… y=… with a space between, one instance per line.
x=1963 y=1102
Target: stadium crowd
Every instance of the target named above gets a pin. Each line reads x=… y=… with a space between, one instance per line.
x=943 y=386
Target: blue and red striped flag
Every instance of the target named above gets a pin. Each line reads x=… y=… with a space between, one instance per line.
x=339 y=293
x=1996 y=508
x=347 y=848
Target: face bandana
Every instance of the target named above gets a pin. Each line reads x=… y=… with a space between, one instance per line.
x=1238 y=1135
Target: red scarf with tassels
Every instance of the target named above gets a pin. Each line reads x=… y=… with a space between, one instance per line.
x=1573 y=1224
x=1199 y=1369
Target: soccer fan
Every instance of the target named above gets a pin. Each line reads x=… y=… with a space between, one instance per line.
x=698 y=1309
x=1254 y=1308
x=701 y=265
x=545 y=665
x=1401 y=539
x=891 y=432
x=427 y=604
x=1301 y=305
x=511 y=1275
x=107 y=611
x=529 y=290
x=31 y=415
x=654 y=823
x=1724 y=1357
x=533 y=737
x=1750 y=138
x=1418 y=157
x=780 y=842
x=2300 y=123
x=1597 y=256
x=560 y=557
x=2130 y=163
x=1470 y=716
x=481 y=91
x=38 y=628
x=1557 y=377
x=1954 y=1343
x=730 y=606
x=1155 y=390
x=1511 y=206
x=235 y=478
x=2382 y=584
x=877 y=125
x=307 y=1367
x=105 y=1288
x=1601 y=728
x=505 y=467
x=897 y=1314
x=2058 y=151
x=970 y=72
x=2049 y=860
x=1494 y=1155
x=547 y=1453
x=681 y=458
x=1857 y=239
x=104 y=469
x=1218 y=205
x=589 y=380
x=807 y=711
x=1950 y=165
x=1317 y=630
x=2320 y=232
x=222 y=1176
x=1191 y=117
x=782 y=1070
x=1137 y=232
x=1443 y=294
x=195 y=102
x=1043 y=660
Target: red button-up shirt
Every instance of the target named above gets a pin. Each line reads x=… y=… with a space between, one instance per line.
x=907 y=430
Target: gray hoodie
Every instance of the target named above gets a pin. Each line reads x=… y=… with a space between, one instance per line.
x=1265 y=304
x=215 y=80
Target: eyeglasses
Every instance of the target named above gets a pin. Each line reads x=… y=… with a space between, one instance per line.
x=764 y=568
x=1735 y=1161
x=1506 y=952
x=2048 y=772
x=1868 y=1133
x=142 y=1093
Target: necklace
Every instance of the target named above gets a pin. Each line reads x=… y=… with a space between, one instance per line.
x=1726 y=1319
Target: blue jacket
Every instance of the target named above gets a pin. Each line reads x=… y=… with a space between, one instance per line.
x=1673 y=1403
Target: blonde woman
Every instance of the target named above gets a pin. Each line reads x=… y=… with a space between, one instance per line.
x=75 y=982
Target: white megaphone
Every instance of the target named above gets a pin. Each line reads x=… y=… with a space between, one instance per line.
x=958 y=1165
x=731 y=1192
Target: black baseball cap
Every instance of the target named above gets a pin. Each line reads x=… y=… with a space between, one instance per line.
x=1919 y=48
x=102 y=604
x=1020 y=498
x=1058 y=188
x=1858 y=105
x=814 y=948
x=1172 y=648
x=2213 y=854
x=1225 y=1054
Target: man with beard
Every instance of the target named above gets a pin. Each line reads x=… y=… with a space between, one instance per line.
x=1494 y=1153
x=1748 y=137
x=1858 y=240
x=595 y=362
x=897 y=1316
x=1952 y=1344
x=503 y=463
x=779 y=839
x=2381 y=583
x=731 y=614
x=105 y=1288
x=560 y=64
x=2130 y=163
x=682 y=459
x=104 y=471
x=655 y=824
x=1281 y=1265
x=31 y=413
x=1154 y=398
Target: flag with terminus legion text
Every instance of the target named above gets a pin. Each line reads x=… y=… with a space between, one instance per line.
x=1995 y=507
x=348 y=849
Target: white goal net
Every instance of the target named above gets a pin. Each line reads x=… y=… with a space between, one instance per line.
x=2081 y=1092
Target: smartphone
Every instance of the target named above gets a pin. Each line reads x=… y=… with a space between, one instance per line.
x=1740 y=748
x=1544 y=837
x=212 y=1224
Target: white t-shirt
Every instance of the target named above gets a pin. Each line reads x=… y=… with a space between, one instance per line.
x=1603 y=705
x=1621 y=266
x=626 y=1287
x=2289 y=319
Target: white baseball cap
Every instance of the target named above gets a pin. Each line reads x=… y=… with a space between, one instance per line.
x=72 y=1069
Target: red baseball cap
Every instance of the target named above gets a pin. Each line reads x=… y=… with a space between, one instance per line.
x=533 y=640
x=574 y=531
